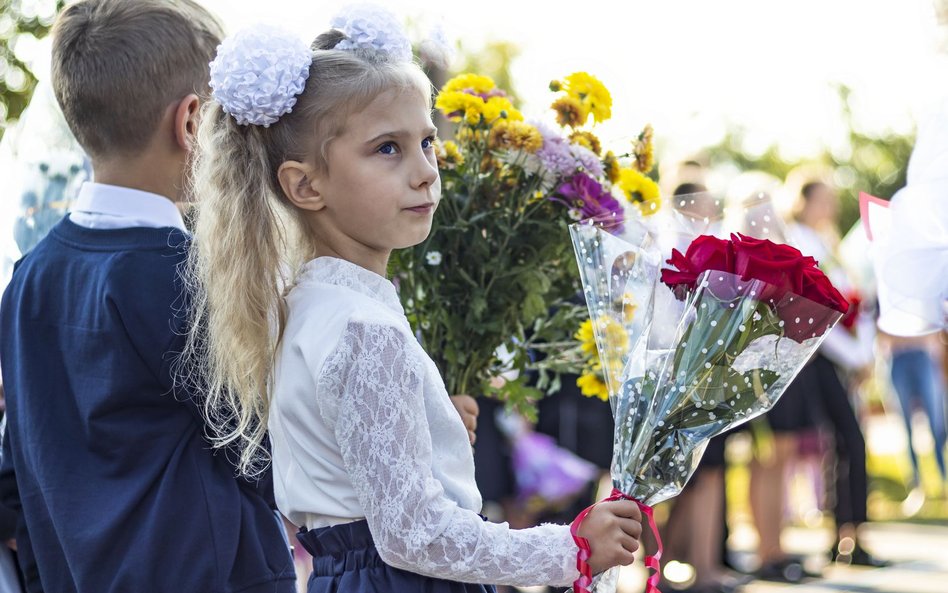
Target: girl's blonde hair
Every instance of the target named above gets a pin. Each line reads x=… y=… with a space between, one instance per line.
x=249 y=239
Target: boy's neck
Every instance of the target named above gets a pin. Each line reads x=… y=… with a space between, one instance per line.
x=139 y=174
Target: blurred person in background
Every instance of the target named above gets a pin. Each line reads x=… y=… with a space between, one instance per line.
x=842 y=364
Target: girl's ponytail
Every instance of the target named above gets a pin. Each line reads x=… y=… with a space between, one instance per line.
x=236 y=273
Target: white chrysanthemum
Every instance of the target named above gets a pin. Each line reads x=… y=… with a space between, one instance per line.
x=258 y=74
x=368 y=26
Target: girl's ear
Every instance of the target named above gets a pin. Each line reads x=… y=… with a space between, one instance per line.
x=298 y=182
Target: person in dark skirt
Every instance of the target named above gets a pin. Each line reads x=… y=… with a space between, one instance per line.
x=370 y=458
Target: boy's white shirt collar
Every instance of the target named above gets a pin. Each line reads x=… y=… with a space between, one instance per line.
x=103 y=206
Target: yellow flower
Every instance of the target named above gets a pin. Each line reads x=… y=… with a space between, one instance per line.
x=592 y=386
x=628 y=308
x=449 y=155
x=587 y=339
x=587 y=139
x=616 y=339
x=515 y=134
x=476 y=83
x=644 y=150
x=467 y=136
x=613 y=334
x=640 y=190
x=456 y=104
x=610 y=165
x=589 y=91
x=497 y=108
x=570 y=112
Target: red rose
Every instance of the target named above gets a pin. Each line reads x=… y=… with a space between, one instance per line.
x=852 y=315
x=704 y=253
x=782 y=276
x=780 y=266
x=813 y=311
x=818 y=288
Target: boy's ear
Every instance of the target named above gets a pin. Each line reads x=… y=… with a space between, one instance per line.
x=299 y=183
x=186 y=119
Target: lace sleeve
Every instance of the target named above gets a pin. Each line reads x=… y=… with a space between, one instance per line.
x=375 y=382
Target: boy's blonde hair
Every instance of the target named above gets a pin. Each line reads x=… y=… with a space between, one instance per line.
x=250 y=240
x=118 y=64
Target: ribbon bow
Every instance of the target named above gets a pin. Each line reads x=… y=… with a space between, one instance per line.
x=653 y=562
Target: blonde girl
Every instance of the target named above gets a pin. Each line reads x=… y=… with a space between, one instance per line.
x=315 y=163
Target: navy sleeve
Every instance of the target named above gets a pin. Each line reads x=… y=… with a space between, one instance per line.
x=10 y=498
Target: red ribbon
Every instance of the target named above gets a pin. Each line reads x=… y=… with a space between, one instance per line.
x=581 y=585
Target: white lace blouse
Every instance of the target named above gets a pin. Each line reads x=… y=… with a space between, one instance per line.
x=361 y=426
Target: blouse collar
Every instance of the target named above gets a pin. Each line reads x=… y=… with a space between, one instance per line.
x=339 y=272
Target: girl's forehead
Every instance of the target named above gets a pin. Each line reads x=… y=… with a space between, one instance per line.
x=392 y=108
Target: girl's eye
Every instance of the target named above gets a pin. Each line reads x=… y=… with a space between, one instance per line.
x=427 y=143
x=388 y=148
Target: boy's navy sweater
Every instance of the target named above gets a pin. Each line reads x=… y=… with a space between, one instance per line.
x=119 y=489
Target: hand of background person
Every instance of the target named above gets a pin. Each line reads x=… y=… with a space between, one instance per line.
x=613 y=529
x=468 y=410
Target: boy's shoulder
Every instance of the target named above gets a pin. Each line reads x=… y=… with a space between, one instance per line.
x=145 y=262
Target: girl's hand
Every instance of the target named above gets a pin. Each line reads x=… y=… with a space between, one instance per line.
x=468 y=410
x=613 y=529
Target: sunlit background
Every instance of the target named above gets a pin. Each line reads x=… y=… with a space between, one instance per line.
x=775 y=83
x=693 y=67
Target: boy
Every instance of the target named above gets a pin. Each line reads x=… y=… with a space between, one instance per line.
x=104 y=454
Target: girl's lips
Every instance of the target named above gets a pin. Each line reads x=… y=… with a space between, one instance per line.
x=423 y=209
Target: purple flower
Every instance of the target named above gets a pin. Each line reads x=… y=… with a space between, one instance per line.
x=586 y=194
x=588 y=160
x=562 y=158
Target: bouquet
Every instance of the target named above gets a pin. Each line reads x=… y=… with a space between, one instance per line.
x=494 y=275
x=723 y=330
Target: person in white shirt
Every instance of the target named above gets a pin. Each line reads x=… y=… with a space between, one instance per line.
x=326 y=156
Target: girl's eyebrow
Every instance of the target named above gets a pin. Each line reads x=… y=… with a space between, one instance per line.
x=429 y=131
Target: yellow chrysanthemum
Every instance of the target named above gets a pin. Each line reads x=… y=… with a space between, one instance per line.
x=610 y=165
x=644 y=150
x=589 y=91
x=466 y=136
x=591 y=385
x=628 y=308
x=449 y=155
x=476 y=83
x=515 y=134
x=587 y=139
x=587 y=339
x=456 y=104
x=570 y=111
x=614 y=336
x=640 y=190
x=498 y=108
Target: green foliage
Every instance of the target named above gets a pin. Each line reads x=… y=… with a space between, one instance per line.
x=20 y=19
x=873 y=163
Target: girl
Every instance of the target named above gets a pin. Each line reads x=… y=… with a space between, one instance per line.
x=325 y=156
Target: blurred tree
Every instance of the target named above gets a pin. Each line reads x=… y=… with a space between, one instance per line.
x=874 y=163
x=493 y=60
x=20 y=19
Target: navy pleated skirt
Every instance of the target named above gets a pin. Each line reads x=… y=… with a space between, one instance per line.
x=345 y=560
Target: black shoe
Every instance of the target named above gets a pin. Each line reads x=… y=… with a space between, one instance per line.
x=849 y=552
x=788 y=570
x=860 y=557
